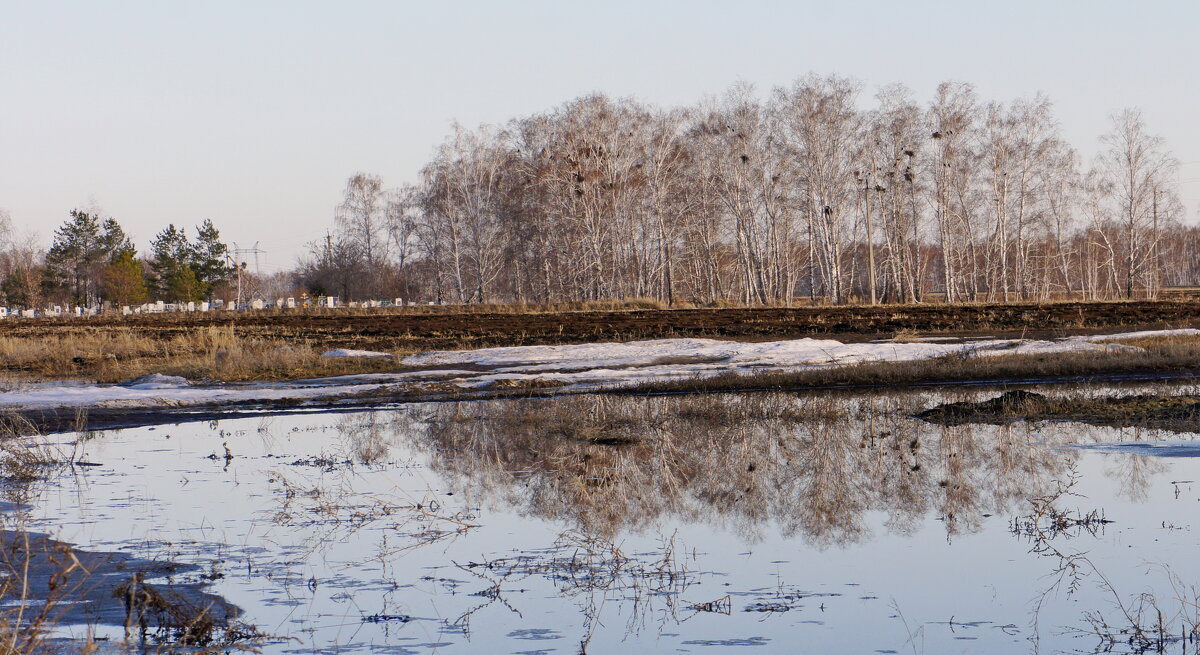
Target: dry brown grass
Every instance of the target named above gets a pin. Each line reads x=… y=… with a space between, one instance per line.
x=906 y=336
x=27 y=455
x=212 y=352
x=218 y=353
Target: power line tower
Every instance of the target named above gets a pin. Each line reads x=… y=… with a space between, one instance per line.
x=240 y=255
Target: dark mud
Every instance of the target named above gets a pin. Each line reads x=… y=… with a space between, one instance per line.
x=1177 y=413
x=85 y=587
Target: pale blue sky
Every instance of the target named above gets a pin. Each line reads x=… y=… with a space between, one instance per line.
x=253 y=114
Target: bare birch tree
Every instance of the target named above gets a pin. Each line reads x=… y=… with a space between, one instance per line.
x=1138 y=172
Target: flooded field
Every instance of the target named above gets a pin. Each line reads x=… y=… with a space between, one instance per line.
x=769 y=522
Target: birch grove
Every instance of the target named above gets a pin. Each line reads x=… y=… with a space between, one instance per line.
x=816 y=193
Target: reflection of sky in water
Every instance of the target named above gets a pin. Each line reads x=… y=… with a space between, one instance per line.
x=159 y=494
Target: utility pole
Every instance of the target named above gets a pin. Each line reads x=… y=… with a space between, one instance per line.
x=238 y=267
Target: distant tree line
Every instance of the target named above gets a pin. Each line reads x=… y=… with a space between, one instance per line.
x=92 y=261
x=803 y=195
x=810 y=194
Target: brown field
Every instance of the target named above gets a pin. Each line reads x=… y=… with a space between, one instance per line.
x=280 y=345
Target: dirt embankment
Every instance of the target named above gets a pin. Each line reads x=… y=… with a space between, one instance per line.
x=448 y=328
x=1177 y=413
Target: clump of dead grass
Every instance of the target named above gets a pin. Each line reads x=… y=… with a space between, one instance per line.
x=215 y=352
x=26 y=455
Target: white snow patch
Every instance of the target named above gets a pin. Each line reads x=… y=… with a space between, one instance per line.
x=1068 y=345
x=682 y=352
x=731 y=354
x=346 y=352
x=571 y=356
x=156 y=381
x=1144 y=334
x=577 y=367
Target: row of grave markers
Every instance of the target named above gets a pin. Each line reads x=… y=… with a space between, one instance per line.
x=160 y=307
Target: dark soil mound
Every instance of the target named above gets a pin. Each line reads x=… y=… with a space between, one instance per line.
x=1177 y=413
x=1010 y=406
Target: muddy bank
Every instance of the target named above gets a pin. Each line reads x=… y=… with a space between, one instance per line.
x=54 y=583
x=1177 y=413
x=57 y=420
x=64 y=420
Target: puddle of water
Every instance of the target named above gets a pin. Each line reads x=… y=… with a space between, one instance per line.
x=639 y=525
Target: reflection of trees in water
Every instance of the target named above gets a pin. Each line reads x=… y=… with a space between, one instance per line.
x=366 y=436
x=963 y=463
x=814 y=466
x=824 y=472
x=1133 y=472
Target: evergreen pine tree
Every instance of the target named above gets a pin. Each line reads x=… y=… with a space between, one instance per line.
x=124 y=281
x=170 y=255
x=209 y=259
x=81 y=249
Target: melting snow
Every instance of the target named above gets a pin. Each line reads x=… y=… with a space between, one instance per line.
x=156 y=381
x=576 y=367
x=346 y=352
x=726 y=355
x=1127 y=336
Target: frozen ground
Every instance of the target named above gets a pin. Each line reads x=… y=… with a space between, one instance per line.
x=579 y=367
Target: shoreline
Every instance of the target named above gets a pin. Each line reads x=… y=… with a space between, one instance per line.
x=661 y=367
